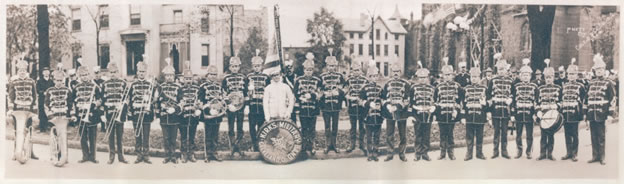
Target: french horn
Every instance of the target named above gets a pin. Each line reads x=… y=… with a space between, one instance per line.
x=235 y=101
x=214 y=108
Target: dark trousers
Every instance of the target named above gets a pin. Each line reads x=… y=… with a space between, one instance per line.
x=357 y=121
x=188 y=129
x=571 y=138
x=372 y=138
x=529 y=136
x=500 y=134
x=446 y=137
x=170 y=135
x=87 y=140
x=474 y=131
x=308 y=131
x=423 y=135
x=238 y=118
x=547 y=143
x=115 y=138
x=331 y=127
x=211 y=135
x=44 y=125
x=390 y=124
x=255 y=123
x=141 y=145
x=597 y=129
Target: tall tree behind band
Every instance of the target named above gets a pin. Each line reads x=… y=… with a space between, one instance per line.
x=541 y=19
x=22 y=34
x=326 y=32
x=43 y=27
x=100 y=19
x=256 y=40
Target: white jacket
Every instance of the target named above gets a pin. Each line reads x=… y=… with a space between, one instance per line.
x=278 y=101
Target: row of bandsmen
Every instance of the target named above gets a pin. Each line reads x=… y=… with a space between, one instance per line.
x=369 y=102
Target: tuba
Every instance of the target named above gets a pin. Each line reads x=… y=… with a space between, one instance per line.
x=23 y=132
x=58 y=141
x=235 y=101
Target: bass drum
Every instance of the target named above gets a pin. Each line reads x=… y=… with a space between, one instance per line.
x=279 y=141
x=551 y=121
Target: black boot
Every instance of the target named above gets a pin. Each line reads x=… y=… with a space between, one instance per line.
x=111 y=158
x=528 y=154
x=519 y=154
x=352 y=146
x=495 y=155
x=390 y=157
x=33 y=156
x=442 y=155
x=139 y=158
x=426 y=157
x=542 y=157
x=146 y=159
x=402 y=157
x=327 y=150
x=417 y=158
x=450 y=154
x=192 y=157
x=568 y=156
x=480 y=155
x=121 y=158
x=504 y=154
x=167 y=159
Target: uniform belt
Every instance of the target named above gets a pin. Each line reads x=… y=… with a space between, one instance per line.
x=501 y=106
x=598 y=102
x=569 y=104
x=524 y=105
x=448 y=105
x=474 y=106
x=423 y=108
x=308 y=106
x=23 y=102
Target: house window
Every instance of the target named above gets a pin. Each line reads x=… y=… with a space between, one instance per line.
x=378 y=65
x=351 y=48
x=386 y=36
x=103 y=16
x=396 y=36
x=104 y=55
x=360 y=49
x=525 y=37
x=205 y=59
x=370 y=49
x=76 y=19
x=396 y=50
x=135 y=15
x=385 y=68
x=385 y=50
x=76 y=53
x=177 y=16
x=360 y=35
x=378 y=49
x=351 y=35
x=377 y=33
x=205 y=22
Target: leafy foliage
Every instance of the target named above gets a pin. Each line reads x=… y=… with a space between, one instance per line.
x=326 y=32
x=22 y=33
x=248 y=49
x=602 y=34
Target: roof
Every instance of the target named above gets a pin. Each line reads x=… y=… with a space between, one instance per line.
x=396 y=15
x=393 y=26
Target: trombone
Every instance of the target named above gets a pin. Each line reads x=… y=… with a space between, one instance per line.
x=86 y=115
x=116 y=114
x=139 y=128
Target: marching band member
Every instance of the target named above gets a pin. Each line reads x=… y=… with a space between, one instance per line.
x=499 y=88
x=115 y=101
x=168 y=111
x=255 y=90
x=22 y=97
x=600 y=95
x=372 y=99
x=572 y=105
x=472 y=112
x=58 y=100
x=538 y=80
x=395 y=94
x=549 y=97
x=307 y=93
x=448 y=99
x=234 y=85
x=523 y=108
x=142 y=99
x=189 y=115
x=209 y=91
x=462 y=77
x=423 y=106
x=331 y=100
x=356 y=110
x=87 y=95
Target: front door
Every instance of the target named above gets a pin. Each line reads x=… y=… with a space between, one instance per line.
x=134 y=54
x=174 y=54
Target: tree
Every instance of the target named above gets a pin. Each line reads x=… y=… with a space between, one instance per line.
x=95 y=17
x=602 y=34
x=230 y=10
x=326 y=32
x=256 y=40
x=22 y=34
x=43 y=27
x=541 y=19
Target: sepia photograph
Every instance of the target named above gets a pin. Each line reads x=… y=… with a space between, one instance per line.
x=311 y=90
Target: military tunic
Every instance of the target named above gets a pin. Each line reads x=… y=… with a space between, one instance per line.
x=395 y=92
x=331 y=104
x=499 y=104
x=306 y=91
x=523 y=110
x=422 y=103
x=473 y=111
x=371 y=94
x=235 y=83
x=255 y=90
x=209 y=91
x=549 y=97
x=600 y=93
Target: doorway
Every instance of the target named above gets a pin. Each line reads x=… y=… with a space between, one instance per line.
x=134 y=54
x=175 y=58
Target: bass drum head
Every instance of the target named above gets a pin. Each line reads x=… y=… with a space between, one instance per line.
x=279 y=141
x=551 y=121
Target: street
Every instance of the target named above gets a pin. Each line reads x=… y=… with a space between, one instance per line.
x=351 y=168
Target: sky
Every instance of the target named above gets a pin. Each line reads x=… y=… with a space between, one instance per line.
x=294 y=13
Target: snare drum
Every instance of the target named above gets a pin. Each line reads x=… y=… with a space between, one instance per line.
x=551 y=121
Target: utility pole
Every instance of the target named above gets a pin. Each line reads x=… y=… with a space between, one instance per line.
x=372 y=33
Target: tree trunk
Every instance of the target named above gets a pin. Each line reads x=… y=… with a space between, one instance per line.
x=43 y=28
x=540 y=24
x=232 y=32
x=97 y=45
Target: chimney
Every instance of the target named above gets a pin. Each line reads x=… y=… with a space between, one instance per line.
x=363 y=19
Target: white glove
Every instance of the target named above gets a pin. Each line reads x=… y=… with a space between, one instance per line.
x=540 y=114
x=74 y=118
x=463 y=121
x=454 y=113
x=197 y=113
x=10 y=112
x=103 y=118
x=410 y=119
x=170 y=110
x=435 y=122
x=246 y=109
x=513 y=119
